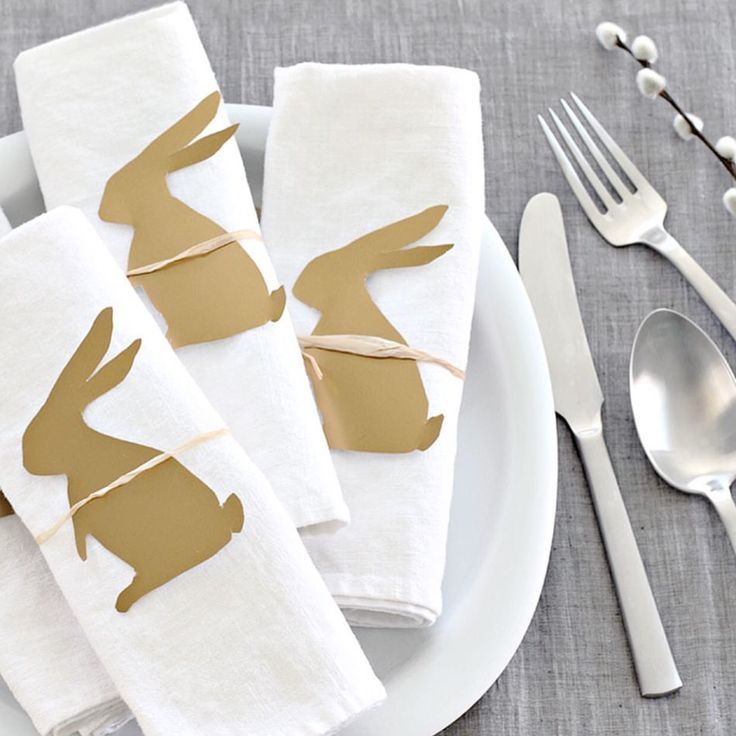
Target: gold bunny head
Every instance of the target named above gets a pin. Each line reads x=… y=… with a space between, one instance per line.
x=141 y=184
x=58 y=432
x=338 y=278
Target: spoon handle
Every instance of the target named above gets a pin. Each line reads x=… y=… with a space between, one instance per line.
x=726 y=508
x=653 y=661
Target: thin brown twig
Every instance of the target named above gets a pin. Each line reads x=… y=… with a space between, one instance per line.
x=729 y=165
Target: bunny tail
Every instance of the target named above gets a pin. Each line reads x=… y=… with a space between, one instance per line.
x=233 y=510
x=278 y=302
x=430 y=432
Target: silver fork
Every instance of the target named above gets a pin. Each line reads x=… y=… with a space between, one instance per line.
x=639 y=217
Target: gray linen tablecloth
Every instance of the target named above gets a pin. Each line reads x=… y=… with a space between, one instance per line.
x=572 y=675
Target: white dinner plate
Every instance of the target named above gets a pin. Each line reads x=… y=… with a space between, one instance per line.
x=505 y=491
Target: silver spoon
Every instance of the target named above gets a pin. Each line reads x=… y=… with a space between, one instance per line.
x=683 y=394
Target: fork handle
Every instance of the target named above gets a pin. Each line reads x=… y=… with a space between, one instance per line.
x=655 y=667
x=720 y=303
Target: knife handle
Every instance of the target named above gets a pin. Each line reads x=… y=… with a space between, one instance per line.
x=653 y=661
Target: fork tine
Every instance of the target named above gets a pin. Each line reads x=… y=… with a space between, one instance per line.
x=571 y=175
x=637 y=178
x=601 y=160
x=592 y=177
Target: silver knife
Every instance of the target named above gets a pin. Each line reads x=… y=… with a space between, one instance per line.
x=544 y=264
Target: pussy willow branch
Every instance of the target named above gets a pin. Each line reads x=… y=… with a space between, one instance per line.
x=729 y=165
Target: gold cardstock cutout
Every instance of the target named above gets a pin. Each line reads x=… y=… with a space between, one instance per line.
x=5 y=508
x=207 y=298
x=163 y=522
x=369 y=404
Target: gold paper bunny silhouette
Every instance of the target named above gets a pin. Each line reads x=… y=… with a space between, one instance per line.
x=205 y=298
x=5 y=508
x=369 y=404
x=163 y=522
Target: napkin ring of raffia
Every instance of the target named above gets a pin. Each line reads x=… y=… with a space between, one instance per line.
x=370 y=346
x=196 y=250
x=128 y=477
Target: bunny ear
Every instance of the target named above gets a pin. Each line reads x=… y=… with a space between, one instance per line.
x=188 y=127
x=419 y=256
x=90 y=352
x=201 y=149
x=113 y=372
x=401 y=233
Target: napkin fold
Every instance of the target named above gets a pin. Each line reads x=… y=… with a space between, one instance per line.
x=247 y=638
x=351 y=150
x=42 y=647
x=45 y=659
x=91 y=102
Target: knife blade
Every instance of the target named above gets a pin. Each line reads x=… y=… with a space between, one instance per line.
x=544 y=263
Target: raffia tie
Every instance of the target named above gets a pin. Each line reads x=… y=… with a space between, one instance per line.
x=370 y=346
x=196 y=250
x=128 y=477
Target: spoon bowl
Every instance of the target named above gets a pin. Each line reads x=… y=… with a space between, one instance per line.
x=683 y=395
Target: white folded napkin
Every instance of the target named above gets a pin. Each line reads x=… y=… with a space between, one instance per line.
x=93 y=101
x=45 y=658
x=350 y=150
x=246 y=639
x=42 y=647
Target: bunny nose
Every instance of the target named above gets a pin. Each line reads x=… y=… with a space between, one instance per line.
x=106 y=211
x=111 y=210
